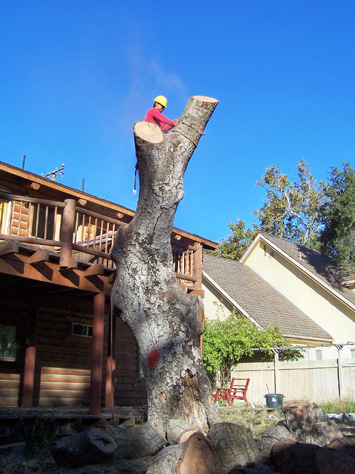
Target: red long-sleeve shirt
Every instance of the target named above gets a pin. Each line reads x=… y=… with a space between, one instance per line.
x=154 y=116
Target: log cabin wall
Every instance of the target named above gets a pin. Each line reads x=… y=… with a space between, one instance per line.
x=61 y=359
x=16 y=325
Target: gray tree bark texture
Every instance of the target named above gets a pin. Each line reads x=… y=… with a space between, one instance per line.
x=164 y=320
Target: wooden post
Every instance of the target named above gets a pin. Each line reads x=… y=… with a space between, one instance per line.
x=29 y=375
x=198 y=267
x=67 y=233
x=97 y=349
x=276 y=371
x=111 y=364
x=340 y=372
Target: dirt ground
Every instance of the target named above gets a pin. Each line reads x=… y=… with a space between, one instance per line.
x=39 y=460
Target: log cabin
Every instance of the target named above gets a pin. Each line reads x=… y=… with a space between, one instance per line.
x=61 y=343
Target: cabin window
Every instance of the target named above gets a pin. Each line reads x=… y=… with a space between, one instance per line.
x=84 y=330
x=8 y=345
x=352 y=352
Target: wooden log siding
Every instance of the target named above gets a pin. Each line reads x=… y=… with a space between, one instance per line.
x=63 y=362
x=64 y=387
x=9 y=388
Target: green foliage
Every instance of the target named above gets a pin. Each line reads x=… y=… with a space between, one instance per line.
x=338 y=236
x=225 y=343
x=235 y=245
x=291 y=210
x=344 y=406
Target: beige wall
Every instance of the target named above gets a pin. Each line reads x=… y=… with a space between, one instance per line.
x=323 y=308
x=216 y=307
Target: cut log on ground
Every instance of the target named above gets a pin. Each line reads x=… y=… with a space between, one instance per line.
x=233 y=445
x=276 y=434
x=165 y=320
x=321 y=434
x=301 y=415
x=179 y=432
x=293 y=457
x=303 y=423
x=92 y=446
x=258 y=469
x=194 y=456
x=137 y=442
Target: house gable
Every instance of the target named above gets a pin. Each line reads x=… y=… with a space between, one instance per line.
x=251 y=295
x=305 y=278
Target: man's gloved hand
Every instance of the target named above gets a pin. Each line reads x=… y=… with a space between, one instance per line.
x=175 y=122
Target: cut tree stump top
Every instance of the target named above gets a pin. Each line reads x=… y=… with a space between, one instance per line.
x=148 y=131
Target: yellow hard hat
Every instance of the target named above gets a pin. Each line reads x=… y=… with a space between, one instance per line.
x=161 y=100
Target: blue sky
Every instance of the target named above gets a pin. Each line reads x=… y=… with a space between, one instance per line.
x=77 y=74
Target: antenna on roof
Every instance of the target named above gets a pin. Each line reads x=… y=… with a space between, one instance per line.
x=53 y=174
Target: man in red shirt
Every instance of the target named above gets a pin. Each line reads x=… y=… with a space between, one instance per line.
x=154 y=115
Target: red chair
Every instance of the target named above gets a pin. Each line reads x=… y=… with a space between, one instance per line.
x=236 y=391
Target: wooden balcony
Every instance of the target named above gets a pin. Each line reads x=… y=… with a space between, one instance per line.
x=75 y=234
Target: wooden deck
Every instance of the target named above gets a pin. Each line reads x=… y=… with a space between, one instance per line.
x=119 y=414
x=69 y=236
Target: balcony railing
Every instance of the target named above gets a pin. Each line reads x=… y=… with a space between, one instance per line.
x=76 y=233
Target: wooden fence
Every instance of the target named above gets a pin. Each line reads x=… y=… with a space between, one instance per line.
x=319 y=381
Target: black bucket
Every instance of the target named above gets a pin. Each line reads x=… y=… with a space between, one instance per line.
x=274 y=400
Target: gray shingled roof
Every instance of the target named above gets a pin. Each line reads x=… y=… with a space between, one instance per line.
x=322 y=267
x=260 y=300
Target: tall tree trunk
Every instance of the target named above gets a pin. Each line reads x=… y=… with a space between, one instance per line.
x=164 y=319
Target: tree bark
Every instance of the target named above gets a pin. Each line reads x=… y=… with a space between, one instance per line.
x=233 y=445
x=164 y=319
x=138 y=441
x=193 y=456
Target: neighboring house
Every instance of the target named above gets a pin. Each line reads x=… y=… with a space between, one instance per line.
x=56 y=274
x=289 y=285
